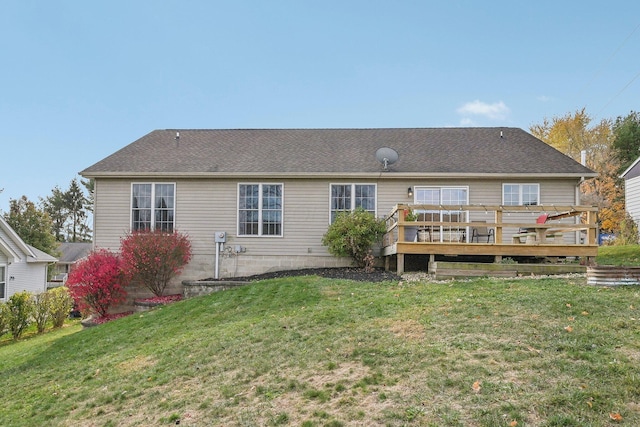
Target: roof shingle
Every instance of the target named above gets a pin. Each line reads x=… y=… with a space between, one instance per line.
x=335 y=151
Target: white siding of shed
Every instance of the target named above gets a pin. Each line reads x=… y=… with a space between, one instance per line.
x=632 y=198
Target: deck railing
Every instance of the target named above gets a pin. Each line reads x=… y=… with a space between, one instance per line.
x=510 y=224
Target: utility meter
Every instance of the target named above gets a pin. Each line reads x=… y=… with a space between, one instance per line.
x=221 y=237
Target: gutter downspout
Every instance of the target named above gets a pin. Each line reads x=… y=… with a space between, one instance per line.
x=583 y=162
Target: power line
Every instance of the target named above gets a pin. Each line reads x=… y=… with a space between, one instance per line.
x=617 y=94
x=606 y=62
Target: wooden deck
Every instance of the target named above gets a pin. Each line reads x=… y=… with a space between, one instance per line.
x=570 y=231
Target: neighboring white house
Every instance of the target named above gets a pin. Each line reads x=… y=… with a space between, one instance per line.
x=70 y=254
x=632 y=190
x=22 y=267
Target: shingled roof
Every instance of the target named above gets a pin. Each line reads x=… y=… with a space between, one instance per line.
x=306 y=152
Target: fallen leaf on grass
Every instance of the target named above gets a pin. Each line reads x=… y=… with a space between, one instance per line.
x=476 y=386
x=615 y=416
x=585 y=313
x=568 y=329
x=513 y=423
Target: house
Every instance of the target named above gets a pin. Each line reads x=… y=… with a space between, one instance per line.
x=254 y=200
x=70 y=254
x=22 y=267
x=631 y=178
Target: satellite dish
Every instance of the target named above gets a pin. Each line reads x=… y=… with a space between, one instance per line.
x=387 y=156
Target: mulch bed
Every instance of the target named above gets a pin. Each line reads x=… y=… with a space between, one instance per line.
x=347 y=273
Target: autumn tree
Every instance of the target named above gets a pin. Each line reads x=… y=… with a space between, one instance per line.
x=572 y=134
x=33 y=225
x=152 y=258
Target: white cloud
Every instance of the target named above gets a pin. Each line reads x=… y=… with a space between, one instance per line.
x=495 y=111
x=466 y=121
x=544 y=98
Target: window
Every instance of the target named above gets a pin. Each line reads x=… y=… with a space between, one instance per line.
x=348 y=197
x=260 y=210
x=443 y=196
x=153 y=207
x=520 y=194
x=3 y=281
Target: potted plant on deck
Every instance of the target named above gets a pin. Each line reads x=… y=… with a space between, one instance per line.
x=410 y=231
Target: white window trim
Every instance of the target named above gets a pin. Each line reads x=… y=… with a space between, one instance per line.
x=153 y=194
x=520 y=185
x=353 y=199
x=260 y=235
x=439 y=187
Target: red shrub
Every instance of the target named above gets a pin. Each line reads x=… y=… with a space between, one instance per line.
x=97 y=283
x=153 y=258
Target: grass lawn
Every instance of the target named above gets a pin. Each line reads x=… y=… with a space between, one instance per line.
x=323 y=352
x=619 y=255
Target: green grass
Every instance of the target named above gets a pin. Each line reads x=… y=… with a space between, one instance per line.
x=320 y=352
x=619 y=255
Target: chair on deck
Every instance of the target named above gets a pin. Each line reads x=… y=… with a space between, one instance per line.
x=482 y=232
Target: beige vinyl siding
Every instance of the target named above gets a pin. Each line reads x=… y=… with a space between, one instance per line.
x=204 y=206
x=112 y=212
x=552 y=192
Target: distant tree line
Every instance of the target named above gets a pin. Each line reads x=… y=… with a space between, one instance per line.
x=61 y=217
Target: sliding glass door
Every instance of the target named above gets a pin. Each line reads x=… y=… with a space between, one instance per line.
x=443 y=196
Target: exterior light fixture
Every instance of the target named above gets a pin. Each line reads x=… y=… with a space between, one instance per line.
x=410 y=192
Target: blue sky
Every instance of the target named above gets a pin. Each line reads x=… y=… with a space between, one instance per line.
x=80 y=80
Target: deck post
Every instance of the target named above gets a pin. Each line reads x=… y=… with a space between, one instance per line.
x=400 y=266
x=591 y=232
x=497 y=235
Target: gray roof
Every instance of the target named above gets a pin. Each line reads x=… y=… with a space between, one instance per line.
x=293 y=152
x=40 y=256
x=73 y=251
